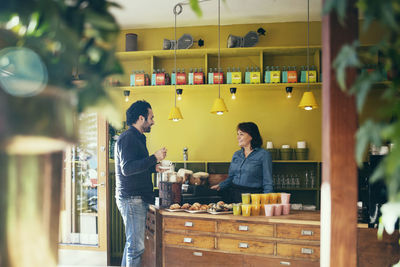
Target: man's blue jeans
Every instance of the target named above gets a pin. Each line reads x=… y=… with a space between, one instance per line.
x=133 y=211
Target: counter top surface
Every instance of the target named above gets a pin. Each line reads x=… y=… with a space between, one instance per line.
x=296 y=217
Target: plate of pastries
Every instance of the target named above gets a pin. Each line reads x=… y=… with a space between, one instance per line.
x=219 y=208
x=194 y=208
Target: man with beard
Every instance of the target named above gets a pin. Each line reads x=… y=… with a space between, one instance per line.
x=133 y=169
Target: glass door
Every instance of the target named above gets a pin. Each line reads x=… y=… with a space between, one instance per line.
x=83 y=205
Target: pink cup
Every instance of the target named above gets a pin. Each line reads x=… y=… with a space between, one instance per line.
x=286 y=209
x=269 y=209
x=278 y=209
x=285 y=198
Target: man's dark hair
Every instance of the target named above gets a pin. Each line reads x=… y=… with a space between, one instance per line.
x=252 y=129
x=138 y=108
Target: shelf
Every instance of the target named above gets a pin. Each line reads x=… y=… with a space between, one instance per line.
x=295 y=161
x=232 y=52
x=297 y=189
x=261 y=86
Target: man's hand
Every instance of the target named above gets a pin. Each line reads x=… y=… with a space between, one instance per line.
x=215 y=187
x=158 y=169
x=160 y=154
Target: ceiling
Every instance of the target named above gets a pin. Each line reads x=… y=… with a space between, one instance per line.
x=136 y=14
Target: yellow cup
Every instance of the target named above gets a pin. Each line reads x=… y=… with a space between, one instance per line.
x=274 y=198
x=278 y=199
x=255 y=199
x=246 y=209
x=236 y=209
x=255 y=209
x=246 y=198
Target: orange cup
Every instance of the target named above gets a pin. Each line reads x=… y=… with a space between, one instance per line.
x=255 y=209
x=274 y=198
x=263 y=199
x=246 y=209
x=278 y=199
x=268 y=198
x=255 y=199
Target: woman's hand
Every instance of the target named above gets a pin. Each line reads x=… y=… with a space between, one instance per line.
x=215 y=187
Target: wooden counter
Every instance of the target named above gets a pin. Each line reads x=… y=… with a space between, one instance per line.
x=226 y=240
x=202 y=239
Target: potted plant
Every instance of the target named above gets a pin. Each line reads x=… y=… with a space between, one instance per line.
x=54 y=59
x=386 y=129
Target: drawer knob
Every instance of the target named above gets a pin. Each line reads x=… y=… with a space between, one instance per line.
x=243 y=228
x=188 y=224
x=243 y=245
x=308 y=251
x=198 y=254
x=187 y=240
x=307 y=232
x=286 y=263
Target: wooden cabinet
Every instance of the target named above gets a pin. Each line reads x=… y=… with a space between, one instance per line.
x=305 y=251
x=302 y=232
x=227 y=240
x=189 y=224
x=182 y=257
x=245 y=228
x=245 y=246
x=256 y=261
x=152 y=255
x=189 y=240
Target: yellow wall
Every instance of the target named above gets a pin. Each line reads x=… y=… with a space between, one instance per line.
x=211 y=137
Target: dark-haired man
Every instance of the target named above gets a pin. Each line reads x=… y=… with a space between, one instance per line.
x=134 y=188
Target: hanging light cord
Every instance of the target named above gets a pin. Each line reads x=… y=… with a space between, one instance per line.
x=219 y=49
x=176 y=13
x=308 y=45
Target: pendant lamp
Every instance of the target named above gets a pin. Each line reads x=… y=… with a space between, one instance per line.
x=308 y=101
x=219 y=106
x=175 y=113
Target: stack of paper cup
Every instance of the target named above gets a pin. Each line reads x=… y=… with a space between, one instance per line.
x=269 y=145
x=301 y=144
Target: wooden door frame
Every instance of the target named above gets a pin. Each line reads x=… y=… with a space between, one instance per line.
x=339 y=190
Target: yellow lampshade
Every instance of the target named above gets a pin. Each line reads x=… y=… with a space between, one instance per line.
x=308 y=102
x=175 y=114
x=219 y=107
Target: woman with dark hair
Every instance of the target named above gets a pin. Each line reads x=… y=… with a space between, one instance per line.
x=251 y=166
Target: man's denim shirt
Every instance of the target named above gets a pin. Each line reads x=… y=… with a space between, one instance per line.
x=254 y=171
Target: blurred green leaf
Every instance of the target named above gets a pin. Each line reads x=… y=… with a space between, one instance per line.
x=363 y=85
x=368 y=133
x=194 y=4
x=339 y=6
x=346 y=58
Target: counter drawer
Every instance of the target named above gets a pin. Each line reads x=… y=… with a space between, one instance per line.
x=189 y=240
x=246 y=228
x=245 y=246
x=298 y=251
x=258 y=261
x=189 y=224
x=176 y=257
x=303 y=232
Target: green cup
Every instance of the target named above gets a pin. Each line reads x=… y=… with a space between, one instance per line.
x=301 y=153
x=286 y=153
